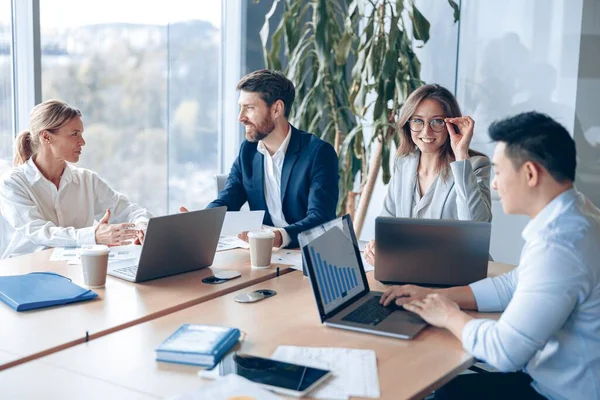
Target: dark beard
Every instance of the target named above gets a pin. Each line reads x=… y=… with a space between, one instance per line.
x=261 y=131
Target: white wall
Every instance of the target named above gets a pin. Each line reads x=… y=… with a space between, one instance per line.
x=513 y=56
x=587 y=124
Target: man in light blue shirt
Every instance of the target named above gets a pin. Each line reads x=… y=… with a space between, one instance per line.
x=550 y=322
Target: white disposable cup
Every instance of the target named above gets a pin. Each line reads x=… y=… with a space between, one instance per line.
x=261 y=247
x=94 y=262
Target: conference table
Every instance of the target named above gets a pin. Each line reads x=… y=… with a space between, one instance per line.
x=28 y=335
x=126 y=359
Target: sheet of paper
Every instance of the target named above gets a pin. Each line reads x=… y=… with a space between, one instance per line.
x=230 y=387
x=288 y=257
x=362 y=244
x=117 y=253
x=368 y=267
x=65 y=253
x=231 y=242
x=237 y=222
x=354 y=370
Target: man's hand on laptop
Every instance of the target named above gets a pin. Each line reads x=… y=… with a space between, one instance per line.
x=114 y=235
x=440 y=311
x=404 y=294
x=277 y=242
x=370 y=252
x=183 y=209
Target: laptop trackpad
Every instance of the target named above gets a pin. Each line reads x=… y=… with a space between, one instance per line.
x=403 y=318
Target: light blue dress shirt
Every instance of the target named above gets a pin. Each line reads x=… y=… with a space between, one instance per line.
x=550 y=327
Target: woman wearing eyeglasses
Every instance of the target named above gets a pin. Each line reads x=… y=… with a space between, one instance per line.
x=436 y=175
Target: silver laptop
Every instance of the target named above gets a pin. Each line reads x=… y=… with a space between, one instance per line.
x=342 y=292
x=431 y=252
x=174 y=244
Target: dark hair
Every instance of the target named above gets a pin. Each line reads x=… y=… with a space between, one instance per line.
x=271 y=86
x=536 y=137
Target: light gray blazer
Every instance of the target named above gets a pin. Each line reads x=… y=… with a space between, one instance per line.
x=463 y=195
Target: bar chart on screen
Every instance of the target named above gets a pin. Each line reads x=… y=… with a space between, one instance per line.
x=336 y=268
x=336 y=281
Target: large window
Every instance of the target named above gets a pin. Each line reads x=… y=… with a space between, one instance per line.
x=148 y=86
x=6 y=120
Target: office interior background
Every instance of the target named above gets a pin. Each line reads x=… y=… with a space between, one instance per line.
x=156 y=85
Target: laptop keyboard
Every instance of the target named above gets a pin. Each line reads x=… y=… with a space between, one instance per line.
x=370 y=313
x=127 y=271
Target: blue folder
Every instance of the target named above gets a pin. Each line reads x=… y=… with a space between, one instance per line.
x=40 y=289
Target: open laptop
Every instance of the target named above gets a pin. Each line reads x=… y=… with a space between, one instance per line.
x=174 y=244
x=344 y=223
x=342 y=292
x=431 y=252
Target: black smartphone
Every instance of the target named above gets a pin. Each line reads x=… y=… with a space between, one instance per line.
x=278 y=376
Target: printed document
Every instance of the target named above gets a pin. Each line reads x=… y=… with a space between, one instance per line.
x=354 y=370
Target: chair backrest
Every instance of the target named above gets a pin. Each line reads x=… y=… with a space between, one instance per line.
x=221 y=181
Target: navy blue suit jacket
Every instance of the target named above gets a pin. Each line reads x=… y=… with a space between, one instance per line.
x=309 y=183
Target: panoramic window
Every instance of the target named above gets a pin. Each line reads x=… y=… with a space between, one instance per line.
x=148 y=86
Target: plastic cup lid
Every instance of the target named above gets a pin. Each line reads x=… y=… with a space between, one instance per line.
x=226 y=274
x=264 y=234
x=97 y=249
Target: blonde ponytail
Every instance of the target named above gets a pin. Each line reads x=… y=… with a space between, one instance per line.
x=23 y=148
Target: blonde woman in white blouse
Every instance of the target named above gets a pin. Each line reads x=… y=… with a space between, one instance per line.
x=436 y=175
x=49 y=202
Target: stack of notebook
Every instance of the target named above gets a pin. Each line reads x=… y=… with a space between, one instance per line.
x=202 y=345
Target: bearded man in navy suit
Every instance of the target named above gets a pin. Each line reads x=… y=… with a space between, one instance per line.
x=291 y=174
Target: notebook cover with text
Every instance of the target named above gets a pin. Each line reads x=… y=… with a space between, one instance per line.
x=40 y=289
x=197 y=344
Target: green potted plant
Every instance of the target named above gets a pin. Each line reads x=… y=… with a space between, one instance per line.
x=352 y=62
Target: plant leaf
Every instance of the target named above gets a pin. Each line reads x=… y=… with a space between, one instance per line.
x=456 y=10
x=343 y=48
x=420 y=25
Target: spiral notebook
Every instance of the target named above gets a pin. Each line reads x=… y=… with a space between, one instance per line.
x=40 y=289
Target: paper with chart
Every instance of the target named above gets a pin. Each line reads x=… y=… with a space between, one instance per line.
x=230 y=387
x=288 y=257
x=354 y=370
x=117 y=253
x=231 y=242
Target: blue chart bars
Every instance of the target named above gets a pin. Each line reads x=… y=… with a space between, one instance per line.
x=335 y=282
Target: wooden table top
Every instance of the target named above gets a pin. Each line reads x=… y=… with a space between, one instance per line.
x=32 y=334
x=407 y=369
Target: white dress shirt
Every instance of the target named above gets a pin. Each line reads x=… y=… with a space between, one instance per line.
x=421 y=207
x=44 y=216
x=273 y=167
x=550 y=326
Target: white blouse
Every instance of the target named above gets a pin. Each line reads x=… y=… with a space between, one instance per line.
x=44 y=216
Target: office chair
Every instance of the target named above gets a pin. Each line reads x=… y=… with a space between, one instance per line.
x=221 y=181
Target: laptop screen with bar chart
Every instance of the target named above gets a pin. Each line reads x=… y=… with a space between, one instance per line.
x=338 y=271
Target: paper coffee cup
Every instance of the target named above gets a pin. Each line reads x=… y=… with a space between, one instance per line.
x=261 y=247
x=94 y=262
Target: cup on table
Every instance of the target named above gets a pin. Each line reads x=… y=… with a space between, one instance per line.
x=261 y=247
x=94 y=261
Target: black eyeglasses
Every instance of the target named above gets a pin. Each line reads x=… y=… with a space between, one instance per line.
x=417 y=124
